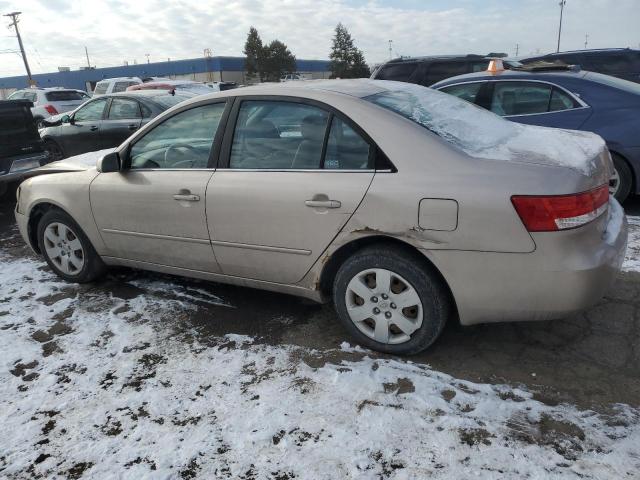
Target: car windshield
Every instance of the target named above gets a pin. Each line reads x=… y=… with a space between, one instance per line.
x=615 y=82
x=63 y=96
x=167 y=101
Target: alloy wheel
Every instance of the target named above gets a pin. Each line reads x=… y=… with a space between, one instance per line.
x=64 y=248
x=383 y=306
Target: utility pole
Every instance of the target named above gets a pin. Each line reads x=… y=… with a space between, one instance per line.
x=147 y=55
x=14 y=17
x=86 y=52
x=562 y=3
x=586 y=40
x=390 y=49
x=517 y=48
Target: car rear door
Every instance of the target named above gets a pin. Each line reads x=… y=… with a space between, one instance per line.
x=538 y=103
x=291 y=175
x=123 y=118
x=82 y=133
x=153 y=210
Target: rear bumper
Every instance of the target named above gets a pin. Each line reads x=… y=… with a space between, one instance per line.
x=568 y=272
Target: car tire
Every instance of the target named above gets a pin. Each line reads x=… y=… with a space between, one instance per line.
x=54 y=149
x=377 y=322
x=621 y=182
x=39 y=123
x=67 y=249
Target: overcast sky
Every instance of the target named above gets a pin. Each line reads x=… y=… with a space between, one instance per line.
x=56 y=31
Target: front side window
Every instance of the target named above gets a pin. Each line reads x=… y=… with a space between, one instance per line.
x=16 y=95
x=346 y=149
x=465 y=91
x=520 y=98
x=92 y=111
x=123 y=109
x=181 y=141
x=278 y=135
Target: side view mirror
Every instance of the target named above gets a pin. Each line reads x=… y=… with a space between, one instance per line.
x=109 y=163
x=66 y=119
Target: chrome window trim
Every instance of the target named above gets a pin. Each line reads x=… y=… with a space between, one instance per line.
x=300 y=170
x=574 y=96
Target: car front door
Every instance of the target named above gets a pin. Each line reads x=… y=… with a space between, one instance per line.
x=291 y=176
x=538 y=103
x=123 y=118
x=82 y=133
x=153 y=210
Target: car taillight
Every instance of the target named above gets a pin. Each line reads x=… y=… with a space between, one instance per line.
x=550 y=213
x=51 y=109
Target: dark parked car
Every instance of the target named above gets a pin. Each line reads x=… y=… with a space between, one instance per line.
x=569 y=98
x=105 y=121
x=619 y=62
x=429 y=70
x=21 y=148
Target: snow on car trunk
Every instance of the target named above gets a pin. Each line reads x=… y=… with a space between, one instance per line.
x=483 y=134
x=120 y=386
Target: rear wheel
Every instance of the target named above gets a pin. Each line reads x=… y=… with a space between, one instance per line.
x=55 y=151
x=67 y=249
x=390 y=302
x=621 y=180
x=39 y=122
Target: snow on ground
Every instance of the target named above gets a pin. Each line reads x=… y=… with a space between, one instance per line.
x=106 y=387
x=632 y=258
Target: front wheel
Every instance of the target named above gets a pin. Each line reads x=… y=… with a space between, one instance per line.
x=67 y=249
x=621 y=180
x=390 y=301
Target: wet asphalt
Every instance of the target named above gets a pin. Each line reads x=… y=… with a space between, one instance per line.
x=591 y=359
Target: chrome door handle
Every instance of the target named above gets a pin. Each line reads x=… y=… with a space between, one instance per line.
x=132 y=127
x=93 y=128
x=186 y=197
x=323 y=203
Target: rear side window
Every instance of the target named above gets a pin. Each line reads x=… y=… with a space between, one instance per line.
x=465 y=91
x=441 y=70
x=397 y=71
x=63 y=96
x=346 y=149
x=278 y=135
x=520 y=98
x=123 y=109
x=33 y=96
x=560 y=101
x=101 y=88
x=122 y=86
x=611 y=63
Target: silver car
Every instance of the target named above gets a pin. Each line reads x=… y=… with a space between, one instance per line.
x=405 y=206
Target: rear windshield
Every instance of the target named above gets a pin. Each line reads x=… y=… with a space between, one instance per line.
x=63 y=96
x=167 y=101
x=626 y=85
x=482 y=134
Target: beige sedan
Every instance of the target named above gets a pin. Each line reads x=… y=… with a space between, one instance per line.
x=405 y=206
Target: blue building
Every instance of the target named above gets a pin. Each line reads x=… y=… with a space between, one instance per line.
x=205 y=69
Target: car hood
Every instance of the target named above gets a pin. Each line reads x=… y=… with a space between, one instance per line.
x=78 y=163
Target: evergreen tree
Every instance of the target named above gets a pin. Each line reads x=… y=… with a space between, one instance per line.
x=254 y=52
x=278 y=60
x=347 y=61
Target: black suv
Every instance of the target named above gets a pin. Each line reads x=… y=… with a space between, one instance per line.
x=619 y=62
x=21 y=148
x=429 y=70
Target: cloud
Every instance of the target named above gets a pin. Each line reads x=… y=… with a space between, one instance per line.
x=55 y=32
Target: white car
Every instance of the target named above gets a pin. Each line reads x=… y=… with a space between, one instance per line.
x=50 y=101
x=120 y=84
